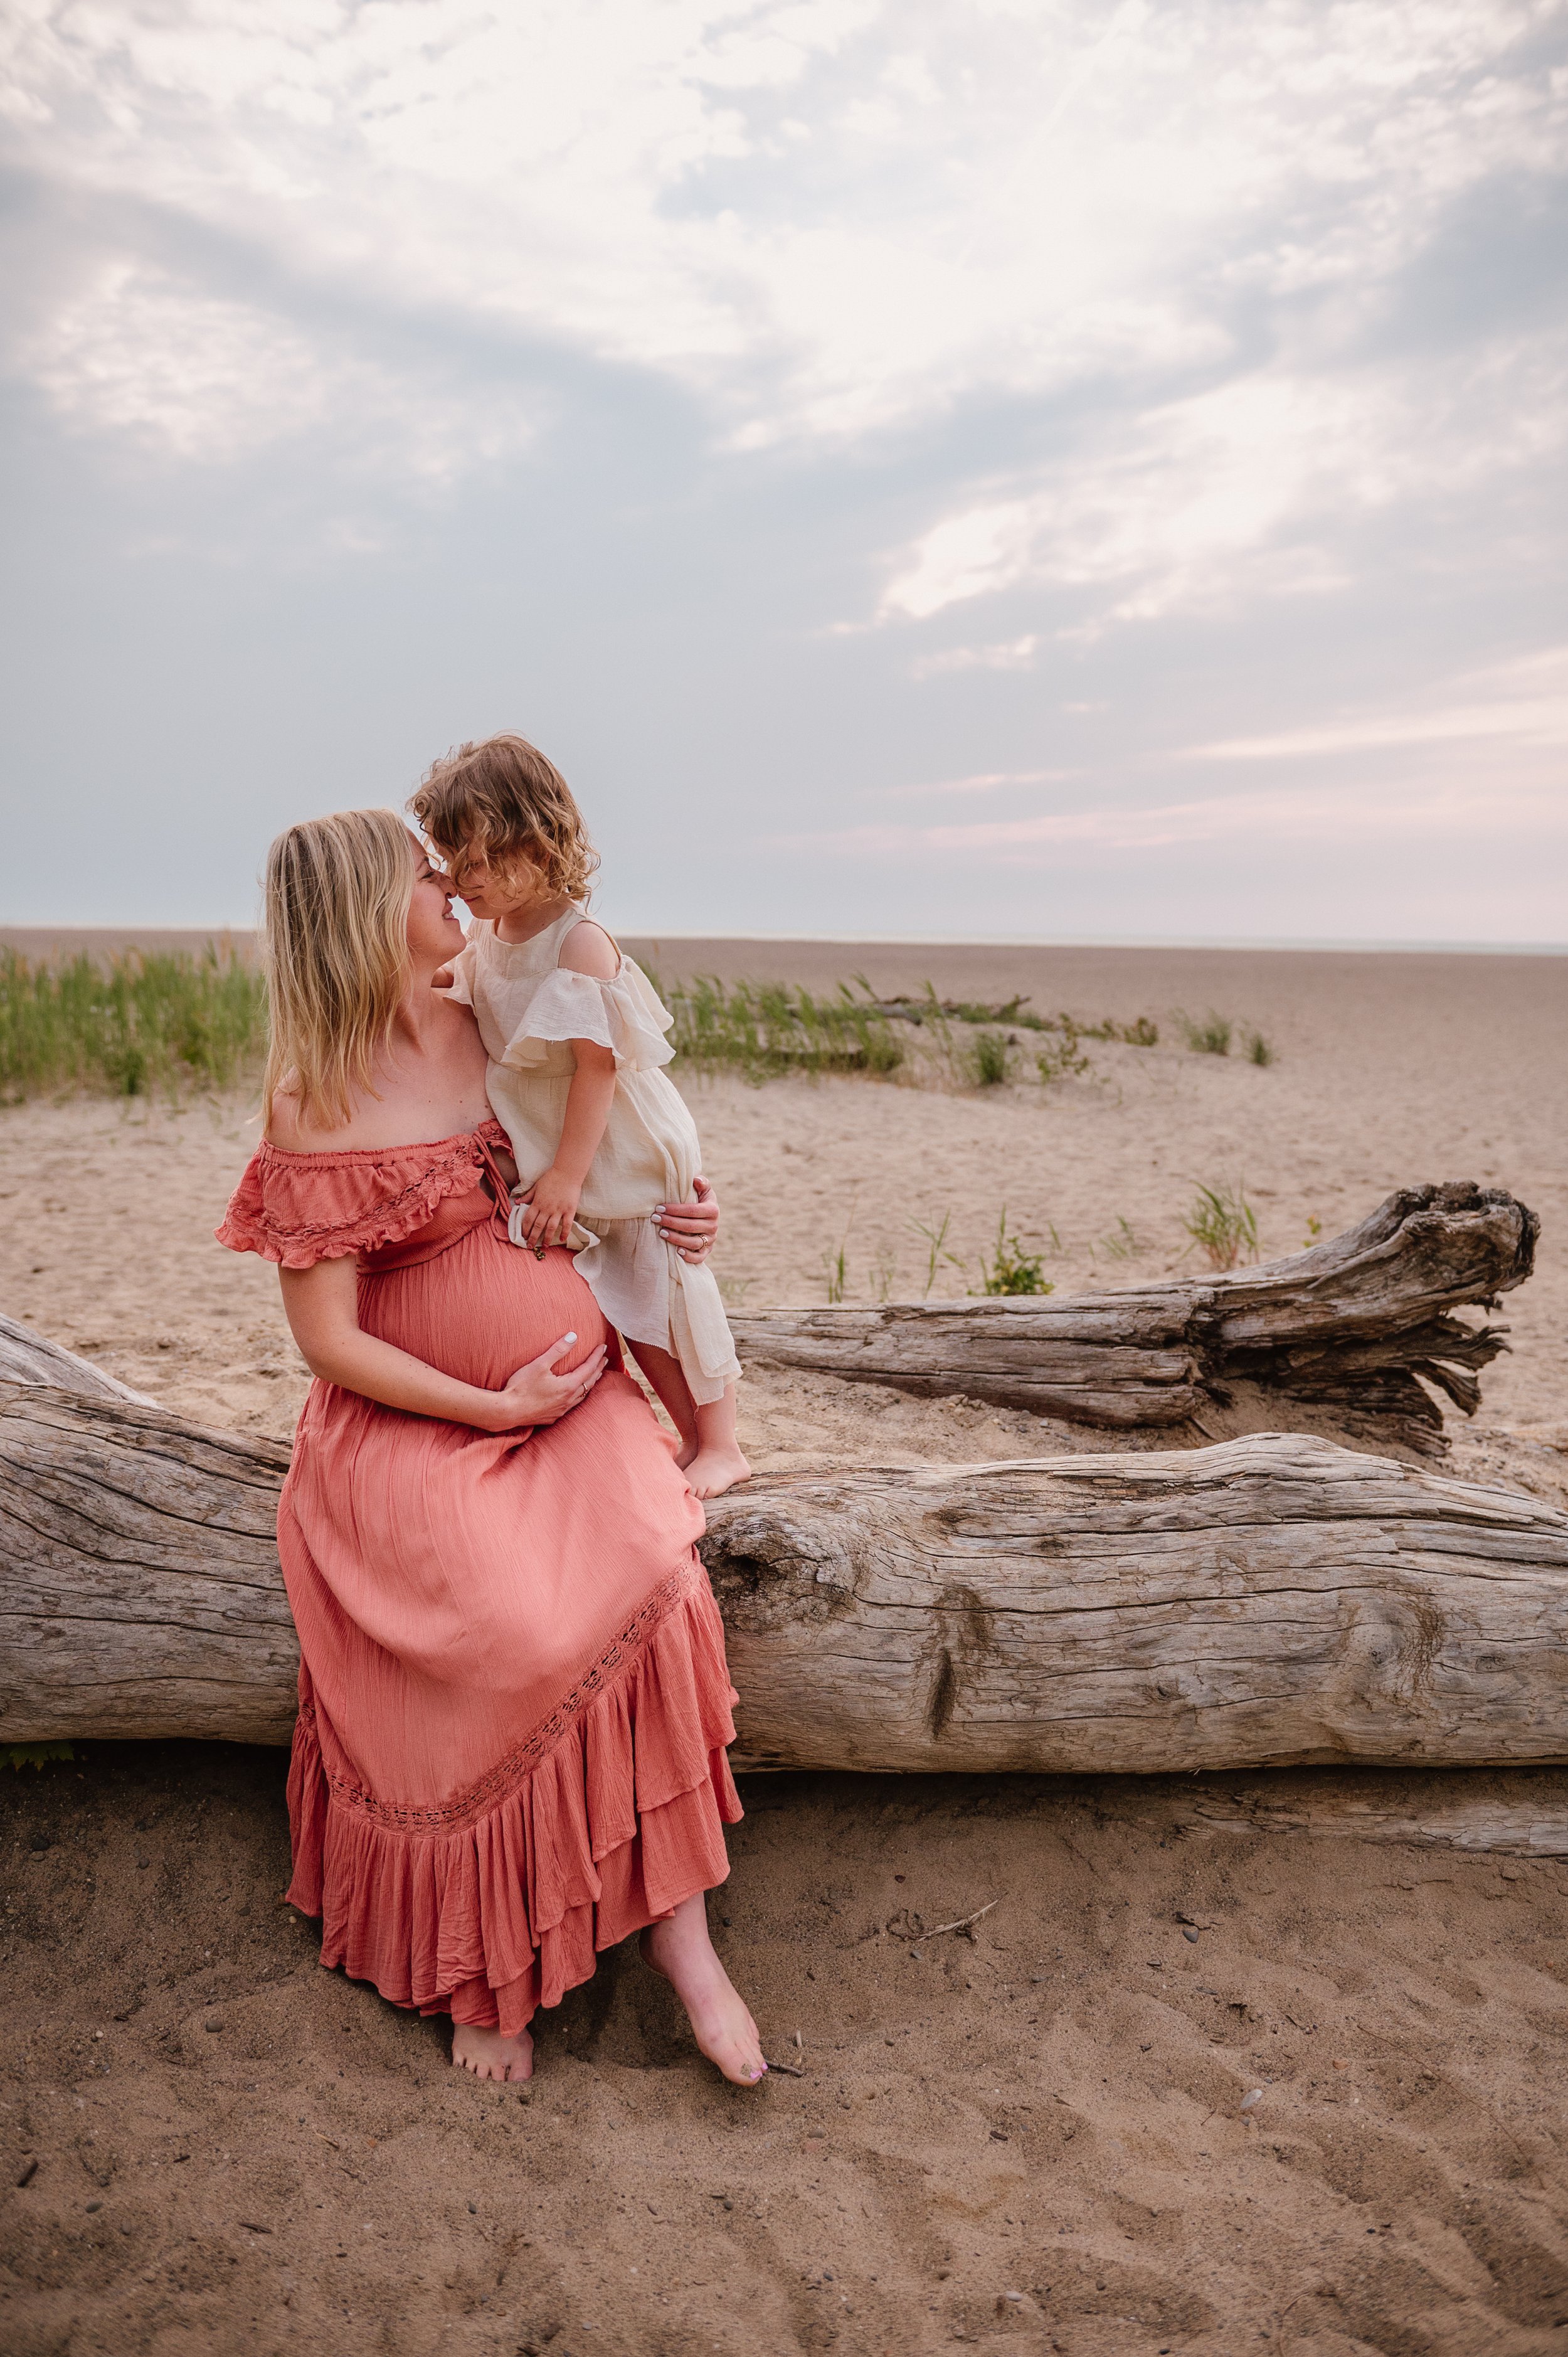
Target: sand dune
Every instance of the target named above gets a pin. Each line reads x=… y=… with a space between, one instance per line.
x=1034 y=2139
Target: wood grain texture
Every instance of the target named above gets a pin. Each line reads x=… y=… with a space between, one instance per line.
x=28 y=1358
x=1360 y=1325
x=140 y=1592
x=1275 y=1600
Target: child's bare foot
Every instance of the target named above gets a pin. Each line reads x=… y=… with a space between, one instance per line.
x=680 y=1949
x=711 y=1471
x=488 y=2055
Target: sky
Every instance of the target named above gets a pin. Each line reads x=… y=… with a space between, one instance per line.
x=1046 y=470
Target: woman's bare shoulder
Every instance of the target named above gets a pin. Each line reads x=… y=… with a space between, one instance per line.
x=284 y=1124
x=288 y=1129
x=588 y=949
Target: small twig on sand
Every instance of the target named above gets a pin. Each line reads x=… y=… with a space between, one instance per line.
x=793 y=2069
x=964 y=1922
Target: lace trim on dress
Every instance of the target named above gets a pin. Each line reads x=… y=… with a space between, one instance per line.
x=620 y=1655
x=264 y=1213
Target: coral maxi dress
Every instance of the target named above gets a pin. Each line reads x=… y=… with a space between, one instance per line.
x=514 y=1701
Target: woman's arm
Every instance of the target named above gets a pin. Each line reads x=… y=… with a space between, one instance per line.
x=321 y=1304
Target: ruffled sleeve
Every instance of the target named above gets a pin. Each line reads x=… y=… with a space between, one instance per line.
x=623 y=1014
x=297 y=1208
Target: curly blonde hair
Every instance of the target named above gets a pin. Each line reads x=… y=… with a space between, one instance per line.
x=338 y=894
x=507 y=802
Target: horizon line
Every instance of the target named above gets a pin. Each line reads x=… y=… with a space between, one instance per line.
x=1343 y=944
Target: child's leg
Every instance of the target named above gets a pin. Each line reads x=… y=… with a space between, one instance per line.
x=679 y=1948
x=709 y=1454
x=668 y=1378
x=717 y=1464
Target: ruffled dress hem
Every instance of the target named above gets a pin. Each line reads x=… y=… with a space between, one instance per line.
x=599 y=1823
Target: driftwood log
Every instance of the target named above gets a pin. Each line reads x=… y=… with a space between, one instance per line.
x=140 y=1590
x=1357 y=1327
x=1272 y=1600
x=30 y=1358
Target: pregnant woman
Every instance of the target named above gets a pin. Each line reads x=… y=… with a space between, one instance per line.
x=514 y=1701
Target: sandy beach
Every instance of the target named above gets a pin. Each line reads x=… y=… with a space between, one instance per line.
x=1030 y=2138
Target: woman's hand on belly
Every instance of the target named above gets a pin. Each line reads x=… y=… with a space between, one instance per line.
x=322 y=1307
x=537 y=1394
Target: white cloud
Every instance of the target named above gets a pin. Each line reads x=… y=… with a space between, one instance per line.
x=1013 y=197
x=1005 y=654
x=1515 y=711
x=200 y=378
x=1341 y=816
x=1241 y=489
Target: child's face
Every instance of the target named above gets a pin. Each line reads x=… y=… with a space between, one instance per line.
x=492 y=892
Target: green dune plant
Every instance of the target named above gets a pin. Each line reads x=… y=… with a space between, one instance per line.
x=988 y=1059
x=764 y=1029
x=1211 y=1036
x=1010 y=1268
x=130 y=1026
x=1223 y=1226
x=936 y=1253
x=1064 y=1061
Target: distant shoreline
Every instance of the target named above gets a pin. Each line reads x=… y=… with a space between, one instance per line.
x=71 y=941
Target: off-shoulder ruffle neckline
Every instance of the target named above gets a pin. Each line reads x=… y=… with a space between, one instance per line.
x=489 y=1129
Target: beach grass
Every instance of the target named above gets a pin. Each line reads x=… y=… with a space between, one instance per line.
x=763 y=1030
x=988 y=1059
x=1210 y=1036
x=136 y=1025
x=146 y=1023
x=1223 y=1226
x=1010 y=1269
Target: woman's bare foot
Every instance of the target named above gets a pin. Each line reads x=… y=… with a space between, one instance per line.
x=711 y=1472
x=679 y=1948
x=488 y=2055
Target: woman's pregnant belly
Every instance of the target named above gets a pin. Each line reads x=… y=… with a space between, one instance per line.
x=483 y=1308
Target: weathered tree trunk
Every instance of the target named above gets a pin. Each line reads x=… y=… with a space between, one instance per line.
x=140 y=1592
x=1268 y=1601
x=1350 y=1326
x=30 y=1358
x=1273 y=1600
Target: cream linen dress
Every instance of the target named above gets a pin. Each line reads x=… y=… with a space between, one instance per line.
x=528 y=1006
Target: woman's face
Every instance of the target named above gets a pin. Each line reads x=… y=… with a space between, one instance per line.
x=434 y=934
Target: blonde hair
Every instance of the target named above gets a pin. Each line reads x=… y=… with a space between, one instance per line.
x=338 y=894
x=507 y=801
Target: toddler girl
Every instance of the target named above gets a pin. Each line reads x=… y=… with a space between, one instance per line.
x=575 y=1037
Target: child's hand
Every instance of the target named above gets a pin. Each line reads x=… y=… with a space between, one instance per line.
x=548 y=1207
